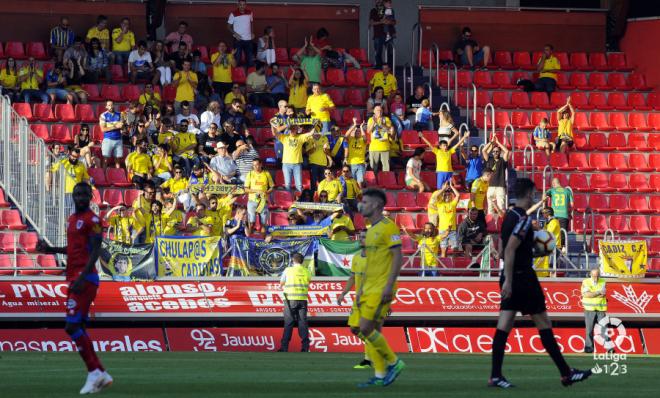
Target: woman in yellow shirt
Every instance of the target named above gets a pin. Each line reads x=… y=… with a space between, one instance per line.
x=443 y=167
x=298 y=83
x=9 y=80
x=565 y=120
x=379 y=129
x=222 y=66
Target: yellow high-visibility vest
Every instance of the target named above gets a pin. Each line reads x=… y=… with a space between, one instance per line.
x=296 y=282
x=593 y=303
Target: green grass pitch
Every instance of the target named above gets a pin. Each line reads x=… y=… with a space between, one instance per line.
x=310 y=375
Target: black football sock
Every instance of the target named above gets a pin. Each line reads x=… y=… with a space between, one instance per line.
x=499 y=343
x=550 y=345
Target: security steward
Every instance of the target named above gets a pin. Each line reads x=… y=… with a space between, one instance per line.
x=594 y=301
x=295 y=282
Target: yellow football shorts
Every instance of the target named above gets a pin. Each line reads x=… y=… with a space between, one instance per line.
x=369 y=308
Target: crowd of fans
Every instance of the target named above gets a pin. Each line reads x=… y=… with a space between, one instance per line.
x=205 y=136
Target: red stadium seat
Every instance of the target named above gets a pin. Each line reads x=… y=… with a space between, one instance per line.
x=599 y=141
x=617 y=81
x=406 y=221
x=110 y=92
x=422 y=219
x=65 y=113
x=28 y=241
x=130 y=92
x=536 y=118
x=408 y=201
x=130 y=195
x=637 y=121
x=464 y=78
x=169 y=93
x=640 y=225
x=618 y=120
x=654 y=161
x=618 y=61
x=112 y=197
x=638 y=102
x=638 y=141
x=502 y=99
x=580 y=202
x=655 y=205
x=580 y=101
x=654 y=249
x=360 y=54
x=410 y=139
x=638 y=82
x=93 y=93
x=599 y=121
x=598 y=80
x=85 y=113
x=522 y=60
x=559 y=161
x=558 y=99
x=349 y=114
x=655 y=183
x=238 y=75
x=640 y=204
x=60 y=133
x=387 y=179
x=335 y=77
x=336 y=96
x=600 y=183
x=639 y=183
x=3 y=200
x=14 y=49
x=41 y=131
x=503 y=59
x=429 y=177
x=578 y=161
x=598 y=101
x=98 y=175
x=619 y=224
x=118 y=73
x=520 y=120
x=521 y=139
x=579 y=80
x=44 y=112
x=619 y=183
x=616 y=141
x=281 y=200
x=580 y=62
x=637 y=162
x=355 y=97
x=482 y=79
x=407 y=245
x=520 y=99
x=8 y=242
x=117 y=177
x=502 y=79
x=580 y=141
x=598 y=61
x=282 y=56
x=563 y=81
x=618 y=101
x=581 y=122
x=540 y=101
x=355 y=78
x=24 y=262
x=11 y=219
x=493 y=225
x=279 y=219
x=6 y=263
x=600 y=204
x=618 y=161
x=24 y=109
x=391 y=202
x=37 y=50
x=49 y=261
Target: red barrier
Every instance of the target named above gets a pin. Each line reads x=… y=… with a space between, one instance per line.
x=268 y=339
x=521 y=340
x=651 y=340
x=123 y=340
x=415 y=299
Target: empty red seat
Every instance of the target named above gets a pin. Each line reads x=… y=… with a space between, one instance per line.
x=6 y=263
x=503 y=59
x=579 y=61
x=336 y=96
x=580 y=202
x=7 y=242
x=117 y=177
x=113 y=197
x=355 y=78
x=640 y=225
x=563 y=81
x=502 y=99
x=521 y=140
x=464 y=78
x=49 y=262
x=618 y=61
x=619 y=224
x=600 y=203
x=578 y=161
x=600 y=183
x=639 y=183
x=483 y=79
x=640 y=204
x=429 y=177
x=282 y=200
x=619 y=183
x=24 y=109
x=578 y=182
x=28 y=241
x=502 y=119
x=579 y=80
x=282 y=56
x=598 y=61
x=98 y=175
x=14 y=49
x=581 y=122
x=520 y=120
x=598 y=80
x=637 y=162
x=408 y=201
x=44 y=112
x=638 y=82
x=540 y=100
x=618 y=161
x=406 y=221
x=638 y=142
x=355 y=97
x=599 y=121
x=93 y=93
x=616 y=141
x=387 y=179
x=60 y=133
x=360 y=54
x=335 y=77
x=503 y=79
x=617 y=81
x=580 y=101
x=654 y=161
x=11 y=219
x=655 y=205
x=110 y=92
x=26 y=265
x=36 y=50
x=410 y=139
x=560 y=161
x=638 y=102
x=520 y=99
x=618 y=101
x=598 y=101
x=522 y=60
x=349 y=114
x=558 y=99
x=41 y=131
x=130 y=92
x=598 y=141
x=580 y=141
x=618 y=120
x=637 y=121
x=65 y=113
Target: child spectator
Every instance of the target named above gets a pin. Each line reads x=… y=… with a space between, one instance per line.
x=443 y=166
x=542 y=137
x=398 y=113
x=423 y=117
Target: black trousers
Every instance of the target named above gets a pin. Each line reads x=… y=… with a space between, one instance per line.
x=564 y=223
x=295 y=311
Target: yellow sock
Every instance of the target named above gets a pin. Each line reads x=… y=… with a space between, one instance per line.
x=377 y=340
x=378 y=362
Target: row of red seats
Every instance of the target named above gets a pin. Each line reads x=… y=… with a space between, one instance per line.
x=602 y=182
x=11 y=219
x=617 y=203
x=17 y=50
x=620 y=224
x=584 y=121
x=3 y=200
x=523 y=60
x=580 y=100
x=24 y=241
x=595 y=161
x=565 y=81
x=25 y=261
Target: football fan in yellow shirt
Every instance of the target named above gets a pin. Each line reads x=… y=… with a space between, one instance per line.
x=428 y=242
x=342 y=226
x=542 y=264
x=331 y=185
x=121 y=224
x=447 y=218
x=384 y=262
x=478 y=193
x=292 y=154
x=355 y=151
x=319 y=106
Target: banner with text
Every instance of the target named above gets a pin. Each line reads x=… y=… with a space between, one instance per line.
x=229 y=299
x=188 y=256
x=324 y=339
x=127 y=262
x=104 y=340
x=623 y=259
x=258 y=257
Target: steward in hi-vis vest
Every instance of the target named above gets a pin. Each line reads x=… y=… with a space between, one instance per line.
x=295 y=283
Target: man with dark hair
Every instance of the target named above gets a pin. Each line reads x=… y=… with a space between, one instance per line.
x=381 y=24
x=174 y=39
x=469 y=51
x=522 y=292
x=547 y=67
x=295 y=283
x=384 y=261
x=140 y=65
x=471 y=232
x=239 y=24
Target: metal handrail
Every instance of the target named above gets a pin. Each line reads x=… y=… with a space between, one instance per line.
x=509 y=128
x=609 y=231
x=416 y=27
x=445 y=106
x=492 y=108
x=405 y=81
x=437 y=63
x=430 y=94
x=552 y=175
x=474 y=104
x=451 y=66
x=531 y=152
x=588 y=211
x=467 y=142
x=369 y=44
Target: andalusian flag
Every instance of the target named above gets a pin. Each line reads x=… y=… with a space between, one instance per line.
x=335 y=257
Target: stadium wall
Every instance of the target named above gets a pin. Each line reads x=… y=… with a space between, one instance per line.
x=641 y=48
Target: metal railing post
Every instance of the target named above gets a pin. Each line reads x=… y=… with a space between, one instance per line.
x=509 y=129
x=430 y=94
x=528 y=149
x=552 y=175
x=492 y=109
